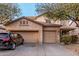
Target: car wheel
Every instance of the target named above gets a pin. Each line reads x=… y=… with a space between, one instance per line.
x=13 y=46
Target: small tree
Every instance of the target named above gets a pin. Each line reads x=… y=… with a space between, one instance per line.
x=60 y=11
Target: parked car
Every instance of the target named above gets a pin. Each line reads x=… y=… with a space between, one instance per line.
x=10 y=40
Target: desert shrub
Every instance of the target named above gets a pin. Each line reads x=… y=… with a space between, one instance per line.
x=66 y=39
x=74 y=38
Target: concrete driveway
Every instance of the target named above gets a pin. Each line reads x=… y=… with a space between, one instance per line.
x=34 y=50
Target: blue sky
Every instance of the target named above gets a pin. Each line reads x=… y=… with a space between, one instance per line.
x=28 y=9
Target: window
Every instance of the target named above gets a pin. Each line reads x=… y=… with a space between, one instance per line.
x=24 y=22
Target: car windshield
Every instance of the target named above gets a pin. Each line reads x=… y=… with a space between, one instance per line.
x=4 y=35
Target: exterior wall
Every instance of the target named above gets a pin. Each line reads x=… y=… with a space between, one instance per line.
x=52 y=28
x=31 y=27
x=41 y=19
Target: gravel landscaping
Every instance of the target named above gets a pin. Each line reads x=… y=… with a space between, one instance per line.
x=73 y=47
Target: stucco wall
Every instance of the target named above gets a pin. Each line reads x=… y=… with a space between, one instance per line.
x=29 y=26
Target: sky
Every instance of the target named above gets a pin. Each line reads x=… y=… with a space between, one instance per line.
x=27 y=9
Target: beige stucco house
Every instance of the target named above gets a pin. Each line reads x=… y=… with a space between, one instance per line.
x=34 y=31
x=39 y=30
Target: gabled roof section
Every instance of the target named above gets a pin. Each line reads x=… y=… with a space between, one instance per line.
x=32 y=20
x=27 y=18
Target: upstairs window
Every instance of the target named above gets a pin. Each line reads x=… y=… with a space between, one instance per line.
x=24 y=22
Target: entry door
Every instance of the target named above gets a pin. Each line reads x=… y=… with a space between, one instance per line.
x=49 y=36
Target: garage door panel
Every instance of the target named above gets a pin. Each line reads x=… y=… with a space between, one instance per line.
x=30 y=37
x=49 y=36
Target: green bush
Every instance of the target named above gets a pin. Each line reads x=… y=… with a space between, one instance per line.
x=66 y=39
x=74 y=38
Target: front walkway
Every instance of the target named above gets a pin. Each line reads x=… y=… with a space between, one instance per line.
x=33 y=50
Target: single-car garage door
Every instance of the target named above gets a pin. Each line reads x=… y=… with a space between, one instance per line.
x=30 y=36
x=49 y=36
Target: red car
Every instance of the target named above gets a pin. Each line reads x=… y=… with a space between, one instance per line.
x=10 y=40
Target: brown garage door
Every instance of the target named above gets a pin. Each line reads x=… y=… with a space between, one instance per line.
x=30 y=36
x=49 y=36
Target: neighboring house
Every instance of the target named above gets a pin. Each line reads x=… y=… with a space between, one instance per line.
x=34 y=31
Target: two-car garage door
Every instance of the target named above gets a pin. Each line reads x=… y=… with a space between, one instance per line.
x=30 y=36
